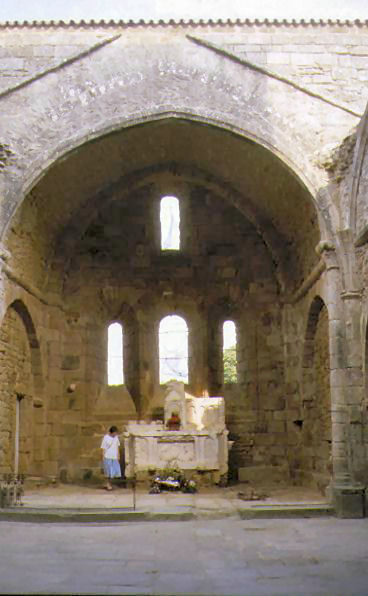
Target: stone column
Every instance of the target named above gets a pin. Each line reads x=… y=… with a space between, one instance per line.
x=348 y=494
x=198 y=354
x=148 y=363
x=346 y=385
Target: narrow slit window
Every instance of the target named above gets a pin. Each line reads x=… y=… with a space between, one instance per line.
x=115 y=374
x=229 y=352
x=173 y=349
x=170 y=223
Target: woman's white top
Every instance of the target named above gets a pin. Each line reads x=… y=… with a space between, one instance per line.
x=110 y=446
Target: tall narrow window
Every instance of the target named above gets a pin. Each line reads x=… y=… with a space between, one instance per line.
x=115 y=375
x=170 y=223
x=173 y=349
x=229 y=352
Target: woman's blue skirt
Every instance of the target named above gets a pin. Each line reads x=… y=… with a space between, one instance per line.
x=112 y=468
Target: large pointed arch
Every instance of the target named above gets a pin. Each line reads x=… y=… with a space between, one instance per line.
x=108 y=93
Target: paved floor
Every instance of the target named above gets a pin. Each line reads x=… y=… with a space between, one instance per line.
x=211 y=499
x=306 y=557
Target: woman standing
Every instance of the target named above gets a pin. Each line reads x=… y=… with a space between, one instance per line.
x=111 y=451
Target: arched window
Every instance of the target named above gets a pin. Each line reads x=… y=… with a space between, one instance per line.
x=170 y=223
x=115 y=374
x=229 y=352
x=173 y=349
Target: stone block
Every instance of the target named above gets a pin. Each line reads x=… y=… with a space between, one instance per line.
x=53 y=442
x=51 y=468
x=71 y=430
x=11 y=63
x=91 y=429
x=278 y=58
x=38 y=442
x=279 y=415
x=264 y=438
x=70 y=362
x=348 y=501
x=277 y=426
x=39 y=430
x=263 y=475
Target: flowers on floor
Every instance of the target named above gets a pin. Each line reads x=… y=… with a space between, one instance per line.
x=171 y=480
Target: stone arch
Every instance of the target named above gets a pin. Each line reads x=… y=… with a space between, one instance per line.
x=358 y=216
x=21 y=389
x=315 y=415
x=22 y=310
x=124 y=186
x=71 y=145
x=109 y=92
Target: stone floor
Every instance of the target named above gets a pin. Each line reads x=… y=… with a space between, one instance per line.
x=281 y=557
x=210 y=499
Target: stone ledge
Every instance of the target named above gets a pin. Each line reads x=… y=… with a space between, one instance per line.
x=285 y=511
x=36 y=515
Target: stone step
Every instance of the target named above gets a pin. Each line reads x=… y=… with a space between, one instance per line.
x=273 y=511
x=295 y=510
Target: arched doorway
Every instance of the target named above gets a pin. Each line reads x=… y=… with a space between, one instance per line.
x=21 y=391
x=315 y=422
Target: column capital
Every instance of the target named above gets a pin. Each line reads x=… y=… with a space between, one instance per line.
x=324 y=246
x=327 y=252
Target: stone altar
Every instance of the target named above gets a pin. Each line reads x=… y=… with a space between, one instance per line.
x=200 y=443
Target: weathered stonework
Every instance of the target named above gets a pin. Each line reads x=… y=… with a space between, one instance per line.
x=259 y=131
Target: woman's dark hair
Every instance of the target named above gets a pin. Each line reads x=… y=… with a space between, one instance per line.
x=113 y=429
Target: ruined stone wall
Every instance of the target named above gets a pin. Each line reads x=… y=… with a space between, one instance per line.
x=257 y=415
x=85 y=243
x=16 y=379
x=107 y=265
x=118 y=272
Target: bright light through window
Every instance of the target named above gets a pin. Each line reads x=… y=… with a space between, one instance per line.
x=229 y=352
x=170 y=223
x=115 y=375
x=173 y=349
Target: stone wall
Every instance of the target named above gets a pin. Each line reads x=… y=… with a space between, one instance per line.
x=118 y=272
x=16 y=382
x=320 y=58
